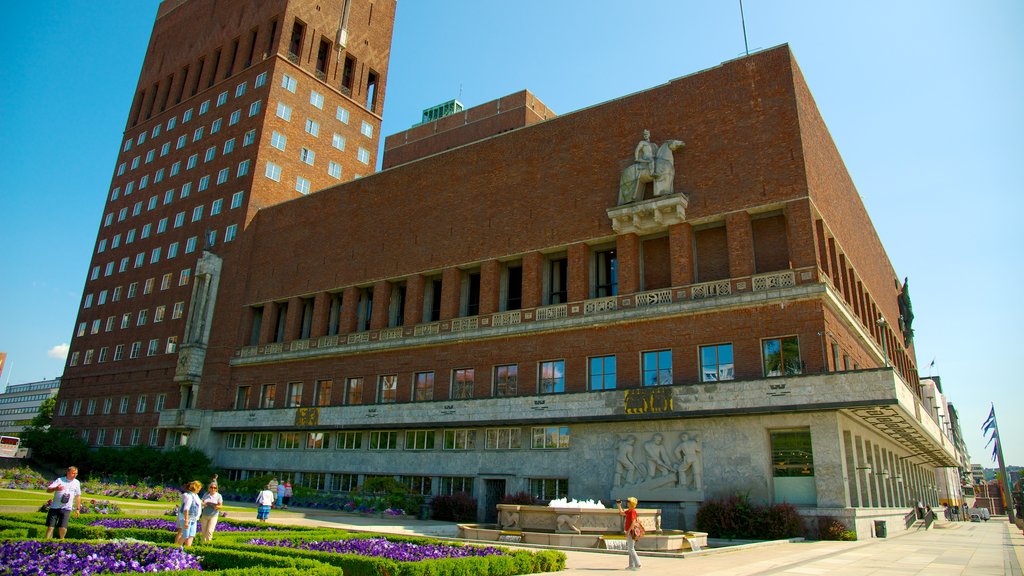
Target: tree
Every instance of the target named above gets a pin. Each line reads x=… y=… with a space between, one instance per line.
x=45 y=415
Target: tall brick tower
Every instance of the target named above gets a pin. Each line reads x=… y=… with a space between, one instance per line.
x=241 y=104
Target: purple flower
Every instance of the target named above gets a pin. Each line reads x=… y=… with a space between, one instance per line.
x=32 y=557
x=171 y=525
x=384 y=548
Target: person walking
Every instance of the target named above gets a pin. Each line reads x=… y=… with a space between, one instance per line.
x=264 y=500
x=212 y=504
x=67 y=497
x=188 y=514
x=634 y=531
x=287 y=494
x=280 y=495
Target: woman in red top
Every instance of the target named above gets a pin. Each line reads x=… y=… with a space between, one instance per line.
x=631 y=519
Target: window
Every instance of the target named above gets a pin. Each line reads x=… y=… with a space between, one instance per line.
x=140 y=405
x=197 y=213
x=126 y=320
x=243 y=168
x=278 y=140
x=418 y=484
x=267 y=394
x=262 y=440
x=781 y=356
x=222 y=98
x=179 y=219
x=366 y=129
x=550 y=437
x=793 y=466
x=260 y=80
x=284 y=112
x=552 y=377
x=288 y=441
x=606 y=274
x=117 y=437
x=103 y=354
x=191 y=162
x=387 y=389
x=307 y=156
x=459 y=439
x=198 y=134
x=150 y=156
x=342 y=115
x=240 y=90
x=254 y=108
x=419 y=440
x=657 y=368
x=76 y=407
x=154 y=346
x=159 y=313
x=462 y=383
x=123 y=407
x=205 y=106
x=288 y=83
x=505 y=380
x=118 y=352
x=215 y=127
x=211 y=153
x=242 y=396
x=236 y=440
x=354 y=391
x=178 y=310
x=184 y=276
x=222 y=175
x=313 y=127
x=387 y=440
x=316 y=99
x=317 y=441
x=108 y=405
x=503 y=439
x=161 y=226
x=101 y=436
x=602 y=373
x=423 y=386
x=334 y=169
x=349 y=441
x=294 y=394
x=549 y=488
x=249 y=137
x=154 y=434
x=186 y=189
x=716 y=363
x=234 y=117
x=363 y=155
x=273 y=172
x=215 y=207
x=302 y=185
x=338 y=141
x=322 y=393
x=236 y=199
x=154 y=255
x=231 y=232
x=161 y=399
x=91 y=407
x=182 y=140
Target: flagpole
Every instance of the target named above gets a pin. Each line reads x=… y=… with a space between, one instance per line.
x=1004 y=478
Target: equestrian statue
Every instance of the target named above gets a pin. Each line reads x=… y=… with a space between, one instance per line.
x=650 y=164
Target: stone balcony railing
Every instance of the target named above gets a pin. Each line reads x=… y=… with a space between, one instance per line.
x=650 y=303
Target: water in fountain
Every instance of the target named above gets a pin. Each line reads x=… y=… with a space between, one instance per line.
x=513 y=538
x=615 y=544
x=565 y=503
x=694 y=546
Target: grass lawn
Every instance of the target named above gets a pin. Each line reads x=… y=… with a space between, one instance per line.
x=36 y=498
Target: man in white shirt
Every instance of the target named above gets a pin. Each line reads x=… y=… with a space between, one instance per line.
x=67 y=497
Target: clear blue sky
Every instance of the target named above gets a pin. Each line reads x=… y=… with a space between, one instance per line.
x=923 y=99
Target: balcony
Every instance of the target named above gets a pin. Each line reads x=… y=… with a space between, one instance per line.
x=180 y=419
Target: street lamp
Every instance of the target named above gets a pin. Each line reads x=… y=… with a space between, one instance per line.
x=885 y=348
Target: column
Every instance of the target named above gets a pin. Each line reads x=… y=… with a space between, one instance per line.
x=349 y=311
x=381 y=305
x=533 y=280
x=268 y=327
x=740 y=236
x=321 y=314
x=627 y=250
x=800 y=234
x=451 y=293
x=490 y=287
x=293 y=322
x=579 y=272
x=414 y=300
x=680 y=250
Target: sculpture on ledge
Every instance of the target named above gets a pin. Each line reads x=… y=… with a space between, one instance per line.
x=654 y=164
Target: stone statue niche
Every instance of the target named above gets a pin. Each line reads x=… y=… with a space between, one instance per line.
x=651 y=468
x=651 y=164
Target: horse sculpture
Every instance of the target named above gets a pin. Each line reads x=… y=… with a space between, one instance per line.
x=660 y=172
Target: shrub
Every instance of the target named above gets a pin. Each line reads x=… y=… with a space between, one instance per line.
x=459 y=507
x=736 y=517
x=830 y=528
x=523 y=498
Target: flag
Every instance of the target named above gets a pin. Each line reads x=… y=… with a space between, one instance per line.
x=990 y=422
x=3 y=358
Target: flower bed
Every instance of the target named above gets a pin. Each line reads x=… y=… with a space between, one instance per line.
x=25 y=557
x=27 y=479
x=384 y=548
x=91 y=507
x=162 y=524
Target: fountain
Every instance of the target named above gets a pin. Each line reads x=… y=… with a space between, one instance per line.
x=575 y=524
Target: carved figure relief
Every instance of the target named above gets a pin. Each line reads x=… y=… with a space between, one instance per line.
x=568 y=523
x=648 y=466
x=625 y=467
x=688 y=453
x=509 y=520
x=651 y=163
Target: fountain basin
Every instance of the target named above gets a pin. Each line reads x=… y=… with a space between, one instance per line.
x=663 y=541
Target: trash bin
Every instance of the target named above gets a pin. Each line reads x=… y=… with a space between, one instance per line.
x=424 y=511
x=880 y=530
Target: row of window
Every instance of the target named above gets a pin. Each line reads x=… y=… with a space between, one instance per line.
x=152 y=349
x=166 y=282
x=108 y=405
x=280 y=142
x=780 y=356
x=117 y=437
x=141 y=318
x=25 y=398
x=186 y=116
x=540 y=438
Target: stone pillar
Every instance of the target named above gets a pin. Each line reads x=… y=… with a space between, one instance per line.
x=627 y=250
x=293 y=323
x=533 y=280
x=269 y=323
x=490 y=286
x=680 y=250
x=740 y=237
x=381 y=305
x=579 y=272
x=803 y=251
x=321 y=314
x=349 y=311
x=451 y=293
x=414 y=300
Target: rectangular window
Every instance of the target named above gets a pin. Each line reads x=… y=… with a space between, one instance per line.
x=254 y=108
x=338 y=141
x=547 y=489
x=317 y=441
x=307 y=156
x=550 y=438
x=505 y=380
x=178 y=310
x=267 y=395
x=186 y=189
x=222 y=98
x=349 y=441
x=76 y=407
x=657 y=366
x=302 y=185
x=294 y=394
x=322 y=393
x=552 y=377
x=215 y=206
x=781 y=356
x=182 y=140
x=273 y=172
x=453 y=484
x=602 y=373
x=284 y=112
x=205 y=106
x=387 y=389
x=423 y=386
x=240 y=90
x=421 y=485
x=716 y=363
x=316 y=99
x=184 y=276
x=242 y=396
x=260 y=80
x=236 y=199
x=288 y=441
x=234 y=117
x=91 y=407
x=191 y=162
x=211 y=153
x=363 y=155
x=419 y=440
x=161 y=399
x=108 y=405
x=459 y=439
x=366 y=129
x=342 y=115
x=123 y=407
x=462 y=383
x=236 y=440
x=793 y=467
x=215 y=127
x=140 y=405
x=503 y=439
x=153 y=347
x=606 y=274
x=354 y=391
x=198 y=134
x=262 y=440
x=313 y=127
x=197 y=212
x=278 y=140
x=243 y=168
x=230 y=232
x=334 y=169
x=288 y=83
x=386 y=440
x=222 y=175
x=249 y=137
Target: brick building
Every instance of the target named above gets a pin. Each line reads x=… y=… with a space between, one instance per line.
x=493 y=313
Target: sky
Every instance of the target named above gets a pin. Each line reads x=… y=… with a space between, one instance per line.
x=923 y=100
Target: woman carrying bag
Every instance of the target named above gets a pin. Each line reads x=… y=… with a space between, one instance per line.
x=634 y=531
